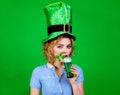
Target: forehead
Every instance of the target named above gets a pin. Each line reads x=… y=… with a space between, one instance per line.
x=64 y=41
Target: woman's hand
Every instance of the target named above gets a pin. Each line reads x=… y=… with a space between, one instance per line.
x=76 y=74
x=76 y=87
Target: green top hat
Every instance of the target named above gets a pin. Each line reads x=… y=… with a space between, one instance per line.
x=58 y=20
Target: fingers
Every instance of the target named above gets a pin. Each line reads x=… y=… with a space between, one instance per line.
x=74 y=71
x=73 y=67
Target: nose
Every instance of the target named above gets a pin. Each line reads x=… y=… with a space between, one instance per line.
x=65 y=51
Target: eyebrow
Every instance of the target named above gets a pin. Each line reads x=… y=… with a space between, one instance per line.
x=63 y=44
x=60 y=44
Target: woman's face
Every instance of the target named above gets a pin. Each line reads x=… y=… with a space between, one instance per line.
x=63 y=46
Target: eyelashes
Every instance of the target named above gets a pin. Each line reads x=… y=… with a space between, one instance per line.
x=69 y=46
x=61 y=46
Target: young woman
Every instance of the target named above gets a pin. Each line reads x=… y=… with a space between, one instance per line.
x=51 y=78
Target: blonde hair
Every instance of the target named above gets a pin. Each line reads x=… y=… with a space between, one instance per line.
x=48 y=48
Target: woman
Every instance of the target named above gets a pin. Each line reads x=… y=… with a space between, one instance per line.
x=51 y=78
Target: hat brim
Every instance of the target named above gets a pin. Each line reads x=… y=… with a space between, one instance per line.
x=57 y=34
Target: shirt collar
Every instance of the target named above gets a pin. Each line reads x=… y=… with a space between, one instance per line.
x=51 y=66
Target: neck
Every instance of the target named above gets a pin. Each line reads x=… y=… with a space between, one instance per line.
x=58 y=65
x=58 y=68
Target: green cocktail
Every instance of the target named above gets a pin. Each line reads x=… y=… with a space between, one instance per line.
x=68 y=64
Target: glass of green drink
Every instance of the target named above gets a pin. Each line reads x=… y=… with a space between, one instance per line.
x=68 y=64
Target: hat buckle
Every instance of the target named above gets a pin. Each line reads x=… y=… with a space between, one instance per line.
x=66 y=27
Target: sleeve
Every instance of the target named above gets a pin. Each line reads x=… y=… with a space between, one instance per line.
x=35 y=80
x=80 y=77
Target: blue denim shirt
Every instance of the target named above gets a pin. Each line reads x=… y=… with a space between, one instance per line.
x=45 y=78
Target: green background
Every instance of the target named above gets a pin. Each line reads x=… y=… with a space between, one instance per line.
x=96 y=24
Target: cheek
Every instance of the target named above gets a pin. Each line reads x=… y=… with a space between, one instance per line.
x=70 y=51
x=57 y=51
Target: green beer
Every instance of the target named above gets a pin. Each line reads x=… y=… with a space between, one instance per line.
x=68 y=64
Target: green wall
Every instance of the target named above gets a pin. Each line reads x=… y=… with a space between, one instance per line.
x=96 y=24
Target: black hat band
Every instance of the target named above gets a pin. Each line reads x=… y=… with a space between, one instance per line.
x=61 y=27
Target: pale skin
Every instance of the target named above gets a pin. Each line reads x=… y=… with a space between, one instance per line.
x=64 y=46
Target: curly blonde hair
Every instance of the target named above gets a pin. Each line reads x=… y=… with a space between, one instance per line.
x=48 y=48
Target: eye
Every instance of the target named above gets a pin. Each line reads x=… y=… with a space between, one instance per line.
x=69 y=46
x=59 y=46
